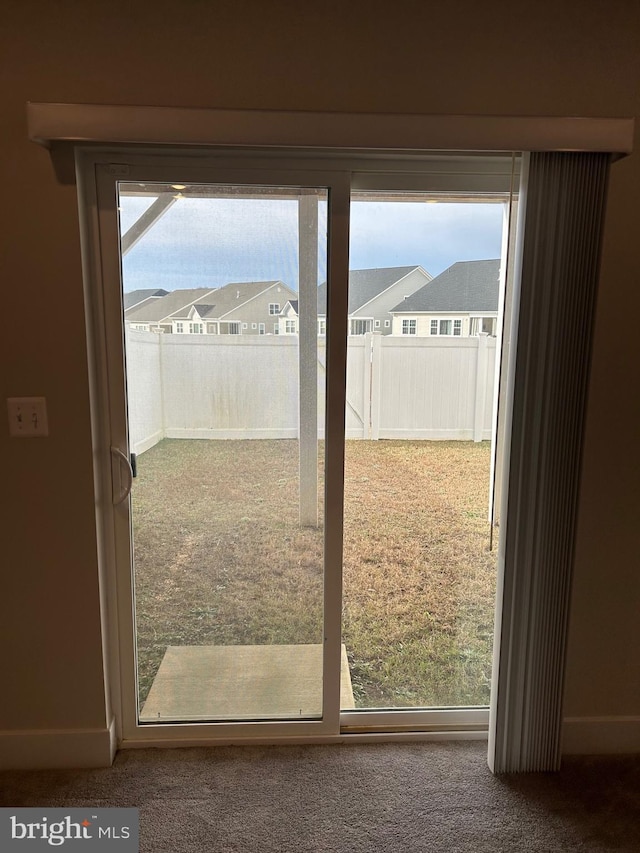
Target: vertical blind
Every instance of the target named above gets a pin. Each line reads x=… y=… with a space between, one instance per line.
x=560 y=234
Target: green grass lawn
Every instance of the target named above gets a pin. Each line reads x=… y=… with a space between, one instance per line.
x=221 y=559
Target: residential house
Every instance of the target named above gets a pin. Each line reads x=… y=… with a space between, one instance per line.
x=288 y=319
x=462 y=301
x=372 y=294
x=239 y=308
x=154 y=315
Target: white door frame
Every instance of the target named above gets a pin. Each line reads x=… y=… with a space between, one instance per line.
x=105 y=297
x=98 y=171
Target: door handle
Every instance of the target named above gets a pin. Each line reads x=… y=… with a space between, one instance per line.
x=118 y=455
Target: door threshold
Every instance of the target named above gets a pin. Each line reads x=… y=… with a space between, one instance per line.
x=343 y=738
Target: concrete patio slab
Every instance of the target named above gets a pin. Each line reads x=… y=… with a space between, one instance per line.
x=241 y=683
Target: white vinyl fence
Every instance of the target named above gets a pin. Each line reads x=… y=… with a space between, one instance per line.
x=247 y=387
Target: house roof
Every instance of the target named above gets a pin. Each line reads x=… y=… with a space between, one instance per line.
x=135 y=297
x=365 y=285
x=467 y=286
x=219 y=302
x=203 y=309
x=159 y=309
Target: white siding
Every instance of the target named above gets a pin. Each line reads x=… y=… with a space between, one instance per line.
x=379 y=307
x=423 y=324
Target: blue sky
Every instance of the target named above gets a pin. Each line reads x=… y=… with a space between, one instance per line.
x=211 y=242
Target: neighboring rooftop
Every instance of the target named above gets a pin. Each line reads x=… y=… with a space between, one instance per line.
x=217 y=303
x=365 y=285
x=159 y=309
x=205 y=309
x=135 y=297
x=466 y=286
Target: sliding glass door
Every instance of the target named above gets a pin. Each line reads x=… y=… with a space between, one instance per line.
x=222 y=399
x=218 y=444
x=246 y=357
x=419 y=570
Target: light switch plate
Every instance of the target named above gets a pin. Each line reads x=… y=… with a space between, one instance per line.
x=27 y=417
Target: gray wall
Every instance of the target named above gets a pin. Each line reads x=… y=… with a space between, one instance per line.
x=380 y=307
x=257 y=310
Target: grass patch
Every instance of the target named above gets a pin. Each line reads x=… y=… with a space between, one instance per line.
x=220 y=559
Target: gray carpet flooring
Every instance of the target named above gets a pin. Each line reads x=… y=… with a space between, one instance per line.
x=409 y=797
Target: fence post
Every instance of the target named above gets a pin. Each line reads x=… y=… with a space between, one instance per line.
x=375 y=387
x=161 y=355
x=481 y=387
x=366 y=386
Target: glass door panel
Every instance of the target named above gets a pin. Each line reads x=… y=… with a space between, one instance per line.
x=224 y=376
x=427 y=273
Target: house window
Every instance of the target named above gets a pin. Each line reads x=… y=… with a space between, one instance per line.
x=276 y=329
x=196 y=328
x=254 y=325
x=245 y=325
x=377 y=324
x=290 y=327
x=387 y=323
x=274 y=308
x=322 y=327
x=360 y=327
x=261 y=328
x=179 y=328
x=446 y=327
x=409 y=327
x=234 y=329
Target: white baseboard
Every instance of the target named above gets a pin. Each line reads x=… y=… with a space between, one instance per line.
x=62 y=748
x=600 y=735
x=147 y=443
x=179 y=432
x=432 y=434
x=292 y=432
